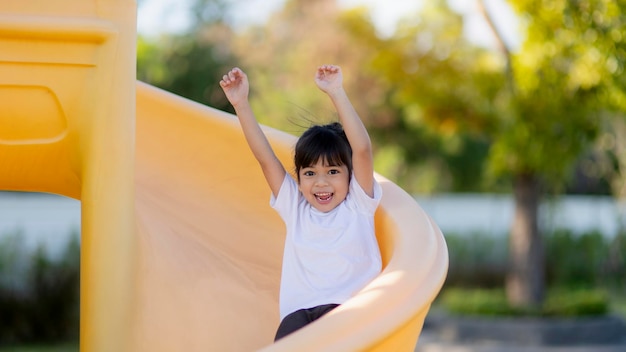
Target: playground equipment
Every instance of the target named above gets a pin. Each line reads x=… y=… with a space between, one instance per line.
x=180 y=250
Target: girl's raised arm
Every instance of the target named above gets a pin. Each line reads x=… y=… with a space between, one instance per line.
x=330 y=80
x=236 y=87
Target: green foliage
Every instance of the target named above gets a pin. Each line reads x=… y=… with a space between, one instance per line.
x=586 y=260
x=476 y=260
x=583 y=38
x=576 y=303
x=187 y=65
x=476 y=302
x=40 y=301
x=618 y=303
x=281 y=58
x=536 y=119
x=191 y=64
x=564 y=76
x=445 y=114
x=573 y=260
x=559 y=303
x=436 y=108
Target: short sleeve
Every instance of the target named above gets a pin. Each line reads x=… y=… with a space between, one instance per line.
x=361 y=200
x=285 y=203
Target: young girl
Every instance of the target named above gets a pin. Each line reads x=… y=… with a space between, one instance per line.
x=330 y=249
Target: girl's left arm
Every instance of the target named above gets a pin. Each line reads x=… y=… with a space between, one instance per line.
x=330 y=80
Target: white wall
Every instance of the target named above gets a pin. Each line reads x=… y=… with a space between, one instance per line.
x=49 y=219
x=492 y=214
x=44 y=218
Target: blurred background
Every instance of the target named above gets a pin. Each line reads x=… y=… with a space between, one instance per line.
x=504 y=118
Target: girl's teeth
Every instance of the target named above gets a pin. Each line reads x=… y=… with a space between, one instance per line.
x=323 y=196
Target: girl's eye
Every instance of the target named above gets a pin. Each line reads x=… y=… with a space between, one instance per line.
x=333 y=172
x=308 y=173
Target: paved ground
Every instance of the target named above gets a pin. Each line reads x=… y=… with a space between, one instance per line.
x=429 y=343
x=447 y=334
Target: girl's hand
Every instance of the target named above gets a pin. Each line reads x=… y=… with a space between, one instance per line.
x=329 y=78
x=235 y=85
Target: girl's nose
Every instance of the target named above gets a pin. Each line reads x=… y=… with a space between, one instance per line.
x=321 y=180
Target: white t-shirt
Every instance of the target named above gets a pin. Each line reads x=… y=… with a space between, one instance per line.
x=328 y=257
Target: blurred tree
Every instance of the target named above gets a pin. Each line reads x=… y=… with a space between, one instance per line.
x=566 y=78
x=281 y=56
x=192 y=63
x=537 y=109
x=441 y=109
x=430 y=75
x=280 y=59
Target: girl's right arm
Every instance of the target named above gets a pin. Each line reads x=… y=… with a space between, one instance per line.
x=236 y=87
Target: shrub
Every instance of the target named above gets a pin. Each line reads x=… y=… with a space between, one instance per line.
x=576 y=260
x=568 y=303
x=572 y=260
x=476 y=260
x=615 y=261
x=492 y=302
x=39 y=296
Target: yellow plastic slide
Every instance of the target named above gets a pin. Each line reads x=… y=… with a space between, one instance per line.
x=180 y=250
x=210 y=246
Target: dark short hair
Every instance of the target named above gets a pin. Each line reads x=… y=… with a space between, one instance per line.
x=326 y=142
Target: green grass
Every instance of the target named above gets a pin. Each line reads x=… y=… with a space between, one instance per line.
x=69 y=347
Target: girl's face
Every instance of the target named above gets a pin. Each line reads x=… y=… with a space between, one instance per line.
x=324 y=186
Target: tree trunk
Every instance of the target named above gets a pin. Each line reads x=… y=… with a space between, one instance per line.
x=525 y=284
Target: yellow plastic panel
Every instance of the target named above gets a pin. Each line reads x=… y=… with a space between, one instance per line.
x=41 y=121
x=67 y=126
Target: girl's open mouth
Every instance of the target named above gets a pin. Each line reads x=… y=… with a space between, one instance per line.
x=324 y=197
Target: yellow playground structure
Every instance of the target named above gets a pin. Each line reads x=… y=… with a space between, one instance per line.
x=180 y=250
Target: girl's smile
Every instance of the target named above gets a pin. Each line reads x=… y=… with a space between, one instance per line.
x=324 y=197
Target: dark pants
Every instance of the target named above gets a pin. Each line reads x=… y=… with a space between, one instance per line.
x=301 y=318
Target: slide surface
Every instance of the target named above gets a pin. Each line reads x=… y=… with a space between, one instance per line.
x=210 y=247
